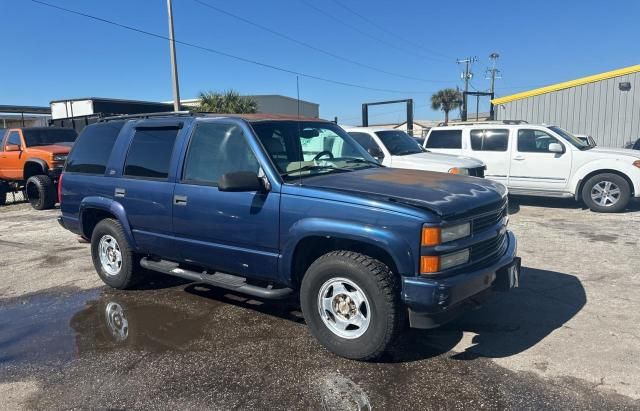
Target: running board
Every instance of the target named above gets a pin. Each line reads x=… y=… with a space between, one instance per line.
x=226 y=281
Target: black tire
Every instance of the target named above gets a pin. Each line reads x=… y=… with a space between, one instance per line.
x=41 y=192
x=622 y=200
x=128 y=272
x=380 y=287
x=3 y=193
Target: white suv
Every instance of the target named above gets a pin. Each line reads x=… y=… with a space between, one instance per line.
x=545 y=160
x=395 y=148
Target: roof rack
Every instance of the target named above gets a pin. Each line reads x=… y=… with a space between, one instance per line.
x=146 y=115
x=472 y=122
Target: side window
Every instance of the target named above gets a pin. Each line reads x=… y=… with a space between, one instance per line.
x=14 y=139
x=93 y=147
x=489 y=140
x=445 y=139
x=216 y=149
x=365 y=140
x=150 y=153
x=534 y=141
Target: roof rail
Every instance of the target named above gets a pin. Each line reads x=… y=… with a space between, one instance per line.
x=472 y=122
x=146 y=115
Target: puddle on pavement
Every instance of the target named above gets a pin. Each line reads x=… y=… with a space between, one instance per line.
x=197 y=347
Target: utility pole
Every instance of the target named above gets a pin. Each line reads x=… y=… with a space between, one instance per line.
x=493 y=74
x=174 y=64
x=466 y=76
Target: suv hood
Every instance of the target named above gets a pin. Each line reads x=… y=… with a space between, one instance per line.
x=60 y=148
x=616 y=152
x=435 y=160
x=442 y=193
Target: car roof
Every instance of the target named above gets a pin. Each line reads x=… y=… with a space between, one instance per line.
x=490 y=125
x=186 y=114
x=370 y=129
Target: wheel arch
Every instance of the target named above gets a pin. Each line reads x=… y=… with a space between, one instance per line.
x=95 y=209
x=34 y=166
x=583 y=180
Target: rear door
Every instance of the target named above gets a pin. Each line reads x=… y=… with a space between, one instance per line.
x=146 y=186
x=233 y=232
x=492 y=147
x=11 y=163
x=533 y=166
x=448 y=141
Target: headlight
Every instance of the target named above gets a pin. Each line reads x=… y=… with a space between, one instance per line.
x=432 y=263
x=437 y=235
x=60 y=157
x=636 y=163
x=459 y=171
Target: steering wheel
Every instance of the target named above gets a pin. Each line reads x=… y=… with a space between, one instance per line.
x=323 y=153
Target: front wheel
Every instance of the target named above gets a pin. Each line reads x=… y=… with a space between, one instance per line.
x=351 y=303
x=41 y=192
x=606 y=193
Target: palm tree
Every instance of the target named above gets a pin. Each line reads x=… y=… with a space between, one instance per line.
x=446 y=100
x=228 y=102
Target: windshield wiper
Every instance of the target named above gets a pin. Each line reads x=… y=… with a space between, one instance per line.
x=314 y=168
x=363 y=161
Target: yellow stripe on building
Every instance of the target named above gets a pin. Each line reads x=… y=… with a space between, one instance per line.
x=567 y=84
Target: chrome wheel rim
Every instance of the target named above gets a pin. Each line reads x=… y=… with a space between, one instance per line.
x=110 y=255
x=344 y=308
x=605 y=193
x=116 y=321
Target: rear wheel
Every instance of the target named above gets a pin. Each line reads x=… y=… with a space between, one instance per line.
x=112 y=257
x=351 y=303
x=41 y=192
x=606 y=193
x=3 y=193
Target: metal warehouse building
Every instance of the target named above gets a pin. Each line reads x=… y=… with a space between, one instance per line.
x=605 y=106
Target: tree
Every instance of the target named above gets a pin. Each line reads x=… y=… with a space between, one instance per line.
x=446 y=100
x=228 y=102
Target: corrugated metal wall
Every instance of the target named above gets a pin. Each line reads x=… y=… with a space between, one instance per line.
x=599 y=109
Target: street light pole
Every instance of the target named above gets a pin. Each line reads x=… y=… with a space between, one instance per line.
x=174 y=65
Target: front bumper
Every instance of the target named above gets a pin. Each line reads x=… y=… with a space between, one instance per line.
x=54 y=173
x=435 y=301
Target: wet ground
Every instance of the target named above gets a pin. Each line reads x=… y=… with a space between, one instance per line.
x=567 y=338
x=185 y=346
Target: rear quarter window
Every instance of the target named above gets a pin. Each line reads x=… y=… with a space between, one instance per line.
x=92 y=148
x=150 y=153
x=445 y=139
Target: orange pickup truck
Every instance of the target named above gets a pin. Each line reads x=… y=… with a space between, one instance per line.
x=31 y=160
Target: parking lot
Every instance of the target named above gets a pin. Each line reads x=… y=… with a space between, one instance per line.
x=567 y=338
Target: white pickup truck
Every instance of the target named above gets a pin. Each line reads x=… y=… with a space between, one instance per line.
x=545 y=160
x=395 y=148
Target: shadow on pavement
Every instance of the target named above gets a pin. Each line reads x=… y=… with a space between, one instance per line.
x=557 y=203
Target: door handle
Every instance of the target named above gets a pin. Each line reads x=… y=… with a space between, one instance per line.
x=120 y=192
x=518 y=158
x=180 y=200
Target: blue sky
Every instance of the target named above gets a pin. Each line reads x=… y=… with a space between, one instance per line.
x=48 y=54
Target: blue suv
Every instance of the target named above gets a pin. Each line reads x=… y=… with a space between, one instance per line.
x=277 y=208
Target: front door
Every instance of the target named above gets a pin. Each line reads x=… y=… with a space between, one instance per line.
x=233 y=232
x=10 y=161
x=534 y=167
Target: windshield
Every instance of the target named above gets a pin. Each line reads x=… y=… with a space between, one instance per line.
x=48 y=136
x=305 y=148
x=575 y=141
x=398 y=142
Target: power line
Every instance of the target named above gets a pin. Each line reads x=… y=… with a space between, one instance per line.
x=392 y=33
x=312 y=47
x=364 y=33
x=225 y=54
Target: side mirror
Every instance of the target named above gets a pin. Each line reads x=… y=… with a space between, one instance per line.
x=240 y=181
x=375 y=152
x=555 y=148
x=12 y=147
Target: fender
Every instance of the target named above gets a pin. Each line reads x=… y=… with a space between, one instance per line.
x=396 y=246
x=632 y=173
x=111 y=206
x=43 y=164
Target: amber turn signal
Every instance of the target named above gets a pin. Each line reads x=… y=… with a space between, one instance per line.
x=429 y=264
x=431 y=236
